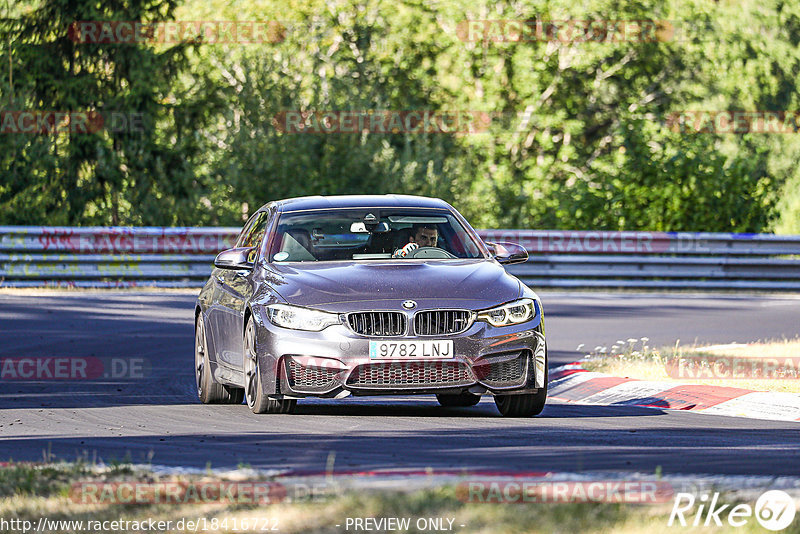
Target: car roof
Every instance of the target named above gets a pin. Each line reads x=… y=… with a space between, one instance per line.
x=360 y=201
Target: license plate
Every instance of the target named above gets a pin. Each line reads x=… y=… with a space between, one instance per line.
x=384 y=350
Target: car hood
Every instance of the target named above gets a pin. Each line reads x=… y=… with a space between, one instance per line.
x=337 y=286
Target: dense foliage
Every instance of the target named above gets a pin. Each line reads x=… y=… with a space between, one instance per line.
x=582 y=133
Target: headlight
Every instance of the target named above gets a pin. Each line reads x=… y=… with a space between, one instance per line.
x=516 y=312
x=299 y=318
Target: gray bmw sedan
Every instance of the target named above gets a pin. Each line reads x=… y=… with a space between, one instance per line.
x=368 y=295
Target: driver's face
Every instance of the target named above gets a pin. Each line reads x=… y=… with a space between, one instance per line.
x=426 y=237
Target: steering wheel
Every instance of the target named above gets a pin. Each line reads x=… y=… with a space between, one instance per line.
x=430 y=252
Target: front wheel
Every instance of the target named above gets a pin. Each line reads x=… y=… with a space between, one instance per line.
x=254 y=392
x=521 y=405
x=526 y=405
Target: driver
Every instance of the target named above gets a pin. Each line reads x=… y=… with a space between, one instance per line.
x=423 y=235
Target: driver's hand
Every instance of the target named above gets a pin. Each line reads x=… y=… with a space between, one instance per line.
x=403 y=252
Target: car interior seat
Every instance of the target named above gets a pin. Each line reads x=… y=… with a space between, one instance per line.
x=297 y=243
x=402 y=238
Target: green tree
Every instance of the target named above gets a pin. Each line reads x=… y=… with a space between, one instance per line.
x=361 y=60
x=581 y=136
x=119 y=174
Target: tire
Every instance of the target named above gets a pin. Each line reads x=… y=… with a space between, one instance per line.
x=208 y=390
x=462 y=399
x=526 y=405
x=253 y=391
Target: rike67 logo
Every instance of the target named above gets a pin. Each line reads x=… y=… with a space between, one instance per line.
x=774 y=510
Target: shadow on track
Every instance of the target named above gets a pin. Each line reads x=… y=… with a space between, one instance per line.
x=426 y=406
x=537 y=445
x=150 y=333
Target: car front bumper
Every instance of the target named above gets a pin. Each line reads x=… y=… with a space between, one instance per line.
x=335 y=362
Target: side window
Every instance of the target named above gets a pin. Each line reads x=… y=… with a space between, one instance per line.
x=248 y=227
x=255 y=233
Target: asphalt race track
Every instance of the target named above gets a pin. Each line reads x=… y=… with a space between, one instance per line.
x=159 y=420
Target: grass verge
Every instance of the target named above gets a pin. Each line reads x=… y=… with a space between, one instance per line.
x=760 y=366
x=30 y=492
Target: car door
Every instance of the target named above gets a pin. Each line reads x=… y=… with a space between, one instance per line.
x=216 y=338
x=233 y=291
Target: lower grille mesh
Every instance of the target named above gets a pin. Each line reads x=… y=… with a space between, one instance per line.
x=310 y=378
x=506 y=373
x=410 y=374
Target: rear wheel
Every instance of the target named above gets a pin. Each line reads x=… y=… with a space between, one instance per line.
x=209 y=391
x=254 y=392
x=462 y=399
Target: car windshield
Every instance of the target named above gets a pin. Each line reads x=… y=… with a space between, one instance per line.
x=375 y=234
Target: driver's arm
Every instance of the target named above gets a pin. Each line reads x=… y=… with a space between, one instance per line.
x=403 y=252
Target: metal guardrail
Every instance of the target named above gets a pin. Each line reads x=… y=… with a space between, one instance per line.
x=182 y=257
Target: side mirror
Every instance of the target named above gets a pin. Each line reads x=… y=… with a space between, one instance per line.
x=236 y=258
x=507 y=253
